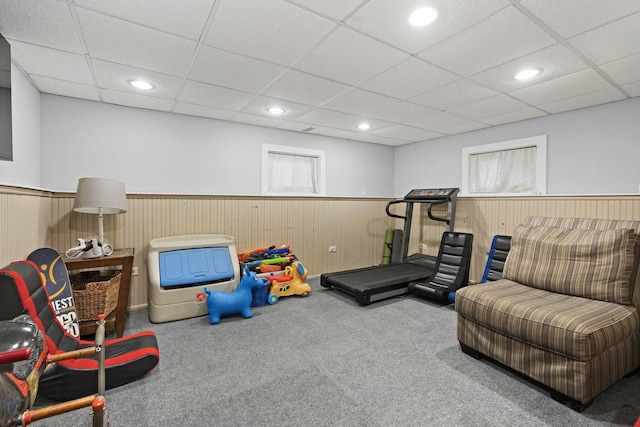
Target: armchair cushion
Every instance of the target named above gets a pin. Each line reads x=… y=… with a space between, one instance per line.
x=594 y=264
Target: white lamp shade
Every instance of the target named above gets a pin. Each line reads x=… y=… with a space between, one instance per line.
x=100 y=196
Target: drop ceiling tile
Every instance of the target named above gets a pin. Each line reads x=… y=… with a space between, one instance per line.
x=571 y=17
x=582 y=101
x=202 y=111
x=352 y=122
x=565 y=87
x=348 y=70
x=292 y=109
x=349 y=57
x=611 y=42
x=61 y=87
x=358 y=101
x=273 y=31
x=375 y=139
x=398 y=131
x=300 y=127
x=137 y=101
x=422 y=136
x=215 y=96
x=185 y=18
x=118 y=41
x=623 y=71
x=401 y=112
x=336 y=9
x=553 y=62
x=513 y=116
x=37 y=60
x=117 y=77
x=221 y=68
x=323 y=117
x=387 y=20
x=408 y=79
x=338 y=133
x=501 y=38
x=488 y=107
x=256 y=120
x=632 y=89
x=304 y=88
x=454 y=94
x=437 y=121
x=394 y=143
x=463 y=127
x=30 y=21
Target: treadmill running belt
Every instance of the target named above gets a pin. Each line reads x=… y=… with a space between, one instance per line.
x=375 y=283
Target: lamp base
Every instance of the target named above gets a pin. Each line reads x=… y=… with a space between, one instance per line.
x=91 y=249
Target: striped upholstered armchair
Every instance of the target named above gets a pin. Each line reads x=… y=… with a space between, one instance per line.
x=565 y=312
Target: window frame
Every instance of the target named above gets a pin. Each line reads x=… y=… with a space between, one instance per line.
x=293 y=151
x=540 y=142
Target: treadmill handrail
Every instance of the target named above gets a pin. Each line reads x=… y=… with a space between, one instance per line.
x=435 y=203
x=431 y=204
x=395 y=202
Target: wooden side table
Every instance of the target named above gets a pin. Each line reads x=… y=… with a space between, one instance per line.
x=115 y=320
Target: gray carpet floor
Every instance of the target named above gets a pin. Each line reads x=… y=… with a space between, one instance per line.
x=325 y=361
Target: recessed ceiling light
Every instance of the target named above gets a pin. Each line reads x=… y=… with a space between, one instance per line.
x=141 y=84
x=527 y=74
x=423 y=16
x=275 y=110
x=364 y=126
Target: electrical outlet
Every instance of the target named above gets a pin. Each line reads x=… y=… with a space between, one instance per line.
x=423 y=246
x=134 y=271
x=333 y=249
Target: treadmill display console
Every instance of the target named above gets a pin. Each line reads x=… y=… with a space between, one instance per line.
x=431 y=194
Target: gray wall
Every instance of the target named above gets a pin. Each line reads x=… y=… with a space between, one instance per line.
x=157 y=152
x=56 y=140
x=589 y=151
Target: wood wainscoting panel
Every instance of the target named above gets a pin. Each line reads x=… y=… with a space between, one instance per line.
x=24 y=222
x=356 y=226
x=310 y=225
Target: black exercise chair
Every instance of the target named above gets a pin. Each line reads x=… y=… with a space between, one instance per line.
x=500 y=246
x=451 y=271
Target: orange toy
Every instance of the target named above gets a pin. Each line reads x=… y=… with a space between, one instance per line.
x=292 y=282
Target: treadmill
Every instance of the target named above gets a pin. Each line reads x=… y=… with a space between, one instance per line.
x=371 y=284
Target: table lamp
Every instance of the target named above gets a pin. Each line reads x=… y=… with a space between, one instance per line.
x=100 y=196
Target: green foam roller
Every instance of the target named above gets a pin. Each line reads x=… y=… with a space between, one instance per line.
x=386 y=249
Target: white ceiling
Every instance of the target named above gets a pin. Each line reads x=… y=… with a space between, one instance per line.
x=332 y=64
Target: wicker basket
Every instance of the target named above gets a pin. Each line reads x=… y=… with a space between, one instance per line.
x=93 y=297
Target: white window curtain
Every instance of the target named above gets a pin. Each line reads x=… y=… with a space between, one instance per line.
x=506 y=171
x=289 y=173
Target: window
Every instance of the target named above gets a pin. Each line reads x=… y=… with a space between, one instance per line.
x=506 y=168
x=292 y=171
